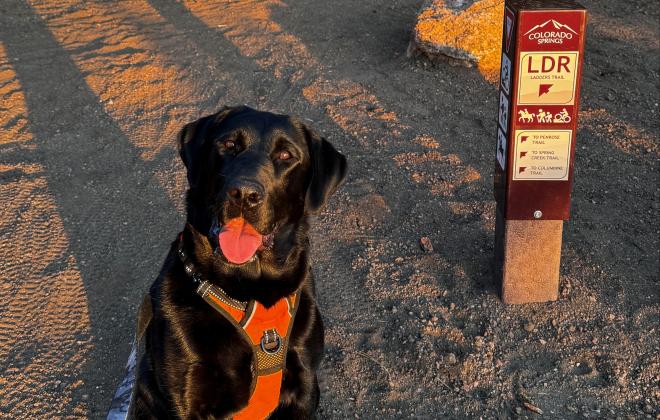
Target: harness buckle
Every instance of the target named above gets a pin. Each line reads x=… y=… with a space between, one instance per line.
x=271 y=342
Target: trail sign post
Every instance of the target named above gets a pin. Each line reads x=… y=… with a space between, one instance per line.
x=542 y=54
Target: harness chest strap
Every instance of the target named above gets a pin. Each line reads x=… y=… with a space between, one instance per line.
x=268 y=331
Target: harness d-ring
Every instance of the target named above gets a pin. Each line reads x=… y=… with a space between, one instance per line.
x=271 y=342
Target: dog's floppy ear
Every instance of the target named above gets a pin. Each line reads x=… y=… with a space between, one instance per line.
x=192 y=141
x=328 y=169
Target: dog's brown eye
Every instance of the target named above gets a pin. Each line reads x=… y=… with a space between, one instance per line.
x=229 y=144
x=284 y=155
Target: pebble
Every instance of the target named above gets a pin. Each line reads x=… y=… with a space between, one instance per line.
x=529 y=327
x=425 y=243
x=451 y=359
x=478 y=341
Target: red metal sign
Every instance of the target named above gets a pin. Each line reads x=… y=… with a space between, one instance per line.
x=542 y=54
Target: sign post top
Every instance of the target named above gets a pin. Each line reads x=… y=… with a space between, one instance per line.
x=545 y=5
x=542 y=55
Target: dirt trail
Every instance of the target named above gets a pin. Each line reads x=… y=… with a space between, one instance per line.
x=44 y=327
x=93 y=93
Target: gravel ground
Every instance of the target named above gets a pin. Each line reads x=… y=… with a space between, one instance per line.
x=92 y=95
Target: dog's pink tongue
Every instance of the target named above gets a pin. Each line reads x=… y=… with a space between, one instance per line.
x=239 y=240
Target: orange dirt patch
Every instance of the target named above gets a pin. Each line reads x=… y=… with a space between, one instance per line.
x=427 y=141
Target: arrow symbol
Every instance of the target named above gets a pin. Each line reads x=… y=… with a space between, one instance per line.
x=523 y=138
x=543 y=89
x=523 y=154
x=522 y=169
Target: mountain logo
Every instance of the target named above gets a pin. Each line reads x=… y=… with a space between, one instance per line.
x=550 y=32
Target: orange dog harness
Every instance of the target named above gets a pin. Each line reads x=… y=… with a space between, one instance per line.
x=267 y=330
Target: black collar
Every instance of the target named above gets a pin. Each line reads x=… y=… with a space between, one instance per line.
x=202 y=286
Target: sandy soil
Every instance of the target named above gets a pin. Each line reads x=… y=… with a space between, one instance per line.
x=92 y=94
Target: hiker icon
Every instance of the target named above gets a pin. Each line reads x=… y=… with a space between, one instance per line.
x=543 y=117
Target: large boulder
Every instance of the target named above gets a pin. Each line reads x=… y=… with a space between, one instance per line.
x=465 y=30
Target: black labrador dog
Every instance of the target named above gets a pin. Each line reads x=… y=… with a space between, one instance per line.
x=254 y=177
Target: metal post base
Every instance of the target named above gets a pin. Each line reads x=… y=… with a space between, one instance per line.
x=527 y=256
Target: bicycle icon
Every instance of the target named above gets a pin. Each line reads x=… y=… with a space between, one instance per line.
x=562 y=117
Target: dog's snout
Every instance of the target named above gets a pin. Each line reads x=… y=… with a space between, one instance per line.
x=247 y=193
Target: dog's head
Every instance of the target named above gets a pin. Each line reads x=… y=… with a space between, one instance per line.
x=254 y=177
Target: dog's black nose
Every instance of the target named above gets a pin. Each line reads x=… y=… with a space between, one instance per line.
x=247 y=193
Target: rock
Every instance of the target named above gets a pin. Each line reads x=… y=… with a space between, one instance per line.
x=478 y=341
x=398 y=260
x=425 y=243
x=529 y=327
x=531 y=407
x=468 y=31
x=451 y=359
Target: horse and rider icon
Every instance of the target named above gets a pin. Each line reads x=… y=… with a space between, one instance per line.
x=541 y=116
